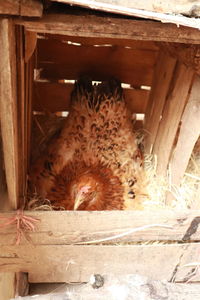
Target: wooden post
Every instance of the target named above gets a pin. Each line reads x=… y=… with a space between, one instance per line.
x=10 y=137
x=8 y=108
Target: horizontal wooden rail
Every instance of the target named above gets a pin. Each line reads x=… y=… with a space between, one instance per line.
x=70 y=246
x=54 y=97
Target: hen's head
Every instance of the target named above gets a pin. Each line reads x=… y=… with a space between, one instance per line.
x=86 y=191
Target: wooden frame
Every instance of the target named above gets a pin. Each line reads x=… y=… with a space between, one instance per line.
x=56 y=235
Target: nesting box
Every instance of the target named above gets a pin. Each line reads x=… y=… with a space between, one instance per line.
x=158 y=66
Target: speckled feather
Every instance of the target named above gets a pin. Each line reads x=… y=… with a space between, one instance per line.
x=96 y=146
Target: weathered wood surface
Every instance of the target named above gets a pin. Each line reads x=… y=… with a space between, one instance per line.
x=65 y=228
x=110 y=27
x=131 y=9
x=29 y=8
x=126 y=287
x=55 y=97
x=189 y=132
x=172 y=112
x=163 y=73
x=187 y=54
x=61 y=263
x=186 y=7
x=7 y=285
x=30 y=44
x=58 y=60
x=102 y=41
x=8 y=108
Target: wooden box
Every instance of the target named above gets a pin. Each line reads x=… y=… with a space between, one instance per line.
x=158 y=65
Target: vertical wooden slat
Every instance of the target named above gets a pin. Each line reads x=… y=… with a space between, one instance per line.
x=161 y=81
x=171 y=116
x=11 y=102
x=188 y=134
x=8 y=108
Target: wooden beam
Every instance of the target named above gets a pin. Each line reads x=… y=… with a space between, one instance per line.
x=8 y=108
x=111 y=27
x=63 y=61
x=59 y=228
x=163 y=72
x=120 y=7
x=136 y=76
x=54 y=97
x=172 y=112
x=61 y=263
x=169 y=7
x=189 y=132
x=29 y=8
x=101 y=42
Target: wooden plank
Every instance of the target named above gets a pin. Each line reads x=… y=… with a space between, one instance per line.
x=63 y=53
x=8 y=108
x=77 y=263
x=120 y=8
x=189 y=132
x=171 y=116
x=9 y=91
x=29 y=8
x=7 y=282
x=101 y=42
x=63 y=61
x=163 y=72
x=137 y=76
x=46 y=93
x=184 y=7
x=59 y=228
x=111 y=27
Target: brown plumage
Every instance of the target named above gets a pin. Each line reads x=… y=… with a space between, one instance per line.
x=94 y=162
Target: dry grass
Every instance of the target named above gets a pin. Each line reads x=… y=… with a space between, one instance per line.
x=186 y=195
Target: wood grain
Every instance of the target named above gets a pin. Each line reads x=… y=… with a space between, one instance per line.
x=63 y=263
x=55 y=97
x=185 y=7
x=7 y=285
x=102 y=41
x=59 y=228
x=111 y=27
x=8 y=108
x=29 y=8
x=58 y=60
x=118 y=7
x=189 y=132
x=163 y=72
x=171 y=116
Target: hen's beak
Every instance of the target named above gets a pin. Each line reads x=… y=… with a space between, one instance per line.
x=80 y=196
x=78 y=201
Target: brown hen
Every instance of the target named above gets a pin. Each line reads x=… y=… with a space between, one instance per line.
x=94 y=162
